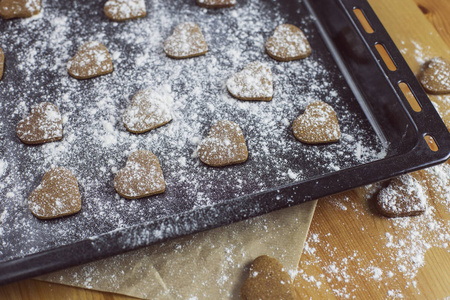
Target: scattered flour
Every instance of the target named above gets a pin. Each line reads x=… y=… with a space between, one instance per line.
x=96 y=144
x=402 y=257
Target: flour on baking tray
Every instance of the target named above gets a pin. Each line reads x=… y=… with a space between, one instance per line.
x=96 y=144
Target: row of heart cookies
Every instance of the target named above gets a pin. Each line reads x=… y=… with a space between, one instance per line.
x=123 y=10
x=287 y=43
x=58 y=194
x=150 y=109
x=116 y=10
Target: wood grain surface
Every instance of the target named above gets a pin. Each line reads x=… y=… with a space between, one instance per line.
x=351 y=251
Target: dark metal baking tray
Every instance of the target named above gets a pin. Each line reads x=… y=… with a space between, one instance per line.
x=382 y=136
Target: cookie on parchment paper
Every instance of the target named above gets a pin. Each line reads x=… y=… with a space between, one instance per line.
x=268 y=280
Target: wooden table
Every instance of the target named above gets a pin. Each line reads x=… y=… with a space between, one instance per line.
x=352 y=252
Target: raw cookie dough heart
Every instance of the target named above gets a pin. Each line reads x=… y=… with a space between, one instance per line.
x=2 y=63
x=148 y=110
x=287 y=43
x=122 y=10
x=57 y=195
x=317 y=125
x=10 y=9
x=435 y=77
x=216 y=3
x=254 y=82
x=404 y=196
x=224 y=145
x=141 y=177
x=44 y=124
x=91 y=60
x=186 y=41
x=268 y=280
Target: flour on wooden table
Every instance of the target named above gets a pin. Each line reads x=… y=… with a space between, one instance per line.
x=402 y=257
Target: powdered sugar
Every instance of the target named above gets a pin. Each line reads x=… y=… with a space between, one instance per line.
x=218 y=2
x=3 y=167
x=96 y=144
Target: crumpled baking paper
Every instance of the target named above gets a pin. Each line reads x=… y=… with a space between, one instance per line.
x=207 y=265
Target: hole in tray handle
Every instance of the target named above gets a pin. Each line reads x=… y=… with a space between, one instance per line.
x=386 y=57
x=410 y=97
x=363 y=20
x=431 y=142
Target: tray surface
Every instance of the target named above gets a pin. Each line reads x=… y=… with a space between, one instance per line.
x=96 y=144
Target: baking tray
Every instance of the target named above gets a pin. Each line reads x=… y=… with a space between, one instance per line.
x=382 y=136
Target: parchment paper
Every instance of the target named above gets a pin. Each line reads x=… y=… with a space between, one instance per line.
x=207 y=265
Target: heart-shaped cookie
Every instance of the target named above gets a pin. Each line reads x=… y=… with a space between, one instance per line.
x=405 y=195
x=216 y=3
x=254 y=82
x=91 y=60
x=224 y=145
x=57 y=195
x=10 y=9
x=268 y=280
x=149 y=109
x=186 y=41
x=44 y=124
x=2 y=63
x=287 y=43
x=141 y=177
x=317 y=125
x=435 y=76
x=122 y=10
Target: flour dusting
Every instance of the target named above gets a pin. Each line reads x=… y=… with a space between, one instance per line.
x=96 y=144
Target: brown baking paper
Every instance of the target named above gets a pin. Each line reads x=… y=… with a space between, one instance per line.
x=207 y=265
